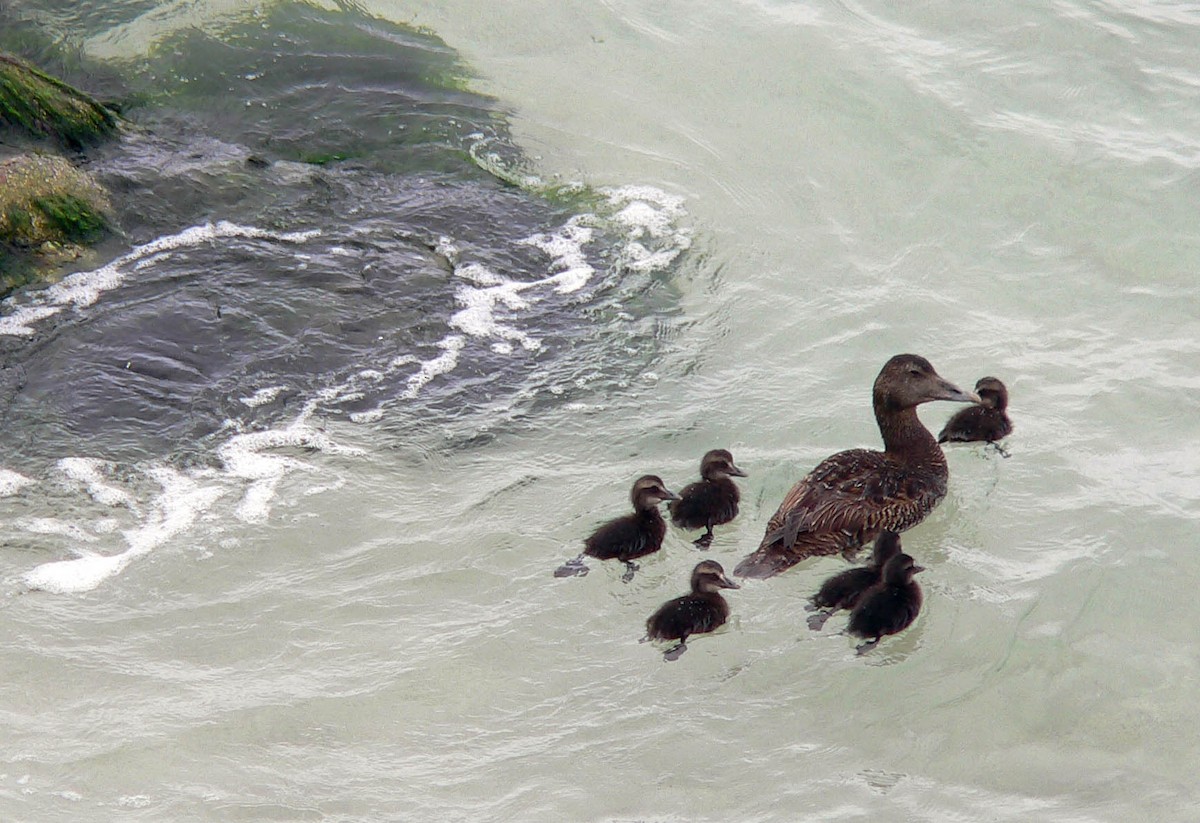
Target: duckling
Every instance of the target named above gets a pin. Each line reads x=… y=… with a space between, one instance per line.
x=711 y=502
x=988 y=422
x=624 y=538
x=852 y=495
x=844 y=590
x=890 y=606
x=701 y=611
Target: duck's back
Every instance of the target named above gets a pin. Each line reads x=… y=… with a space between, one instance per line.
x=843 y=591
x=688 y=615
x=627 y=537
x=844 y=502
x=709 y=502
x=976 y=424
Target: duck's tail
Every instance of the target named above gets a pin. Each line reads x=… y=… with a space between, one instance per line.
x=764 y=563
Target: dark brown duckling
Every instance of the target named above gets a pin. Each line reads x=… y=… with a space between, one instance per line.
x=628 y=537
x=890 y=606
x=711 y=502
x=701 y=611
x=844 y=590
x=852 y=495
x=988 y=422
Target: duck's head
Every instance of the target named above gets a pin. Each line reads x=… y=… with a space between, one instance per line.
x=992 y=393
x=900 y=570
x=648 y=491
x=719 y=463
x=887 y=546
x=708 y=576
x=908 y=380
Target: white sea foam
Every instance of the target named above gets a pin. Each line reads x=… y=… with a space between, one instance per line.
x=82 y=289
x=48 y=525
x=12 y=482
x=172 y=511
x=451 y=346
x=565 y=249
x=262 y=396
x=247 y=456
x=89 y=472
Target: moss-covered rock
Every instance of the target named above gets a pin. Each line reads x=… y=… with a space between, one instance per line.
x=48 y=209
x=37 y=105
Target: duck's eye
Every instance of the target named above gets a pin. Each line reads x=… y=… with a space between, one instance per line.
x=914 y=372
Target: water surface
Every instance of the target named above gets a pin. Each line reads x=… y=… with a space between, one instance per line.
x=314 y=434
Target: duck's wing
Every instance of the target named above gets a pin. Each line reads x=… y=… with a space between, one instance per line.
x=841 y=494
x=839 y=505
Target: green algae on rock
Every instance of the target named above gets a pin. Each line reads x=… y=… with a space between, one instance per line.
x=47 y=209
x=38 y=105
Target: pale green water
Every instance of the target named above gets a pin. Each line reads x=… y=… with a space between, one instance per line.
x=373 y=633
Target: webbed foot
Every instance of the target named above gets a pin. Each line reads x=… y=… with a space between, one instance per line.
x=630 y=568
x=674 y=652
x=572 y=568
x=863 y=648
x=816 y=622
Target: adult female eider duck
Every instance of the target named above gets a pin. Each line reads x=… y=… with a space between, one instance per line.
x=625 y=538
x=843 y=590
x=987 y=422
x=852 y=495
x=701 y=611
x=890 y=606
x=711 y=502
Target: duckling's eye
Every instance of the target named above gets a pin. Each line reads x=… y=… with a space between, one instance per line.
x=914 y=372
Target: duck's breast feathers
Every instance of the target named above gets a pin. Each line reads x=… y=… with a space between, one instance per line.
x=706 y=502
x=857 y=492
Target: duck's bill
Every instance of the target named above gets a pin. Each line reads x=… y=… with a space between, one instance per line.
x=949 y=391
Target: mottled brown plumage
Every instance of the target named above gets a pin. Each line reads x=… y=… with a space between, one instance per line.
x=852 y=495
x=987 y=422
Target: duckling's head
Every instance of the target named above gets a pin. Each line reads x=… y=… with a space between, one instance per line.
x=708 y=576
x=899 y=570
x=719 y=463
x=908 y=380
x=648 y=491
x=992 y=393
x=887 y=546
